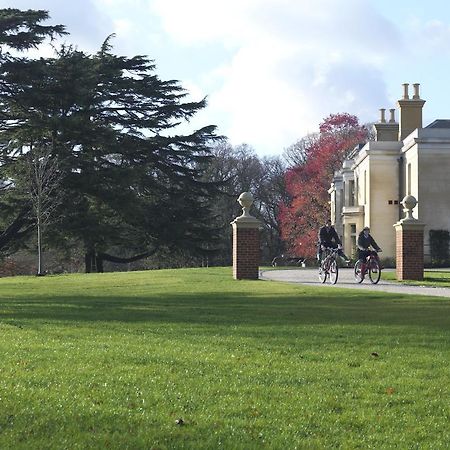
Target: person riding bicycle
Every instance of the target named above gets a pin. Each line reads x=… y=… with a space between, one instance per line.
x=365 y=240
x=328 y=238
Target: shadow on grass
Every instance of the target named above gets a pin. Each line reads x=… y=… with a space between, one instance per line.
x=321 y=308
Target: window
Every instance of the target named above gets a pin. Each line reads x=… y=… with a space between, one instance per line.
x=353 y=238
x=365 y=187
x=351 y=193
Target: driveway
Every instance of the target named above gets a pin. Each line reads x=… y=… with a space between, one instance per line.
x=346 y=280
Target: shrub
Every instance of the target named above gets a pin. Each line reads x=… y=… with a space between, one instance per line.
x=439 y=247
x=388 y=263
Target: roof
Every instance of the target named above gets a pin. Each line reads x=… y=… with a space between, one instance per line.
x=439 y=123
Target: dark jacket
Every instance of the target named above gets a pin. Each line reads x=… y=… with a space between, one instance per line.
x=365 y=242
x=327 y=236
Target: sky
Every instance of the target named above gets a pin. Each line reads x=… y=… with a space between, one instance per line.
x=272 y=70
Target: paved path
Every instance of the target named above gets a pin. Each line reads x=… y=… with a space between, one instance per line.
x=346 y=280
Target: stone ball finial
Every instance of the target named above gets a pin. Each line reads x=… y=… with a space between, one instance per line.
x=409 y=202
x=246 y=201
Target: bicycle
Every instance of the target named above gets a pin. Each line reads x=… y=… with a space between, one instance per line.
x=328 y=267
x=371 y=266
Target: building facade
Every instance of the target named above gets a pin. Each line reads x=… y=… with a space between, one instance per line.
x=405 y=158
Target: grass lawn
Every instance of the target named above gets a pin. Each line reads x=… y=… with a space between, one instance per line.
x=116 y=360
x=430 y=278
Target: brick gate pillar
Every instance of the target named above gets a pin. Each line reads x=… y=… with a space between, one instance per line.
x=409 y=244
x=246 y=241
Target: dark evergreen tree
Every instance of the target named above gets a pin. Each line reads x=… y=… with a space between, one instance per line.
x=23 y=30
x=129 y=181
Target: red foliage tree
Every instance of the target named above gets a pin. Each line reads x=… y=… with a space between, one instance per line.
x=307 y=184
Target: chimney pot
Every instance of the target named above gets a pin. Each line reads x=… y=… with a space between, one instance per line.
x=410 y=112
x=405 y=91
x=382 y=115
x=392 y=118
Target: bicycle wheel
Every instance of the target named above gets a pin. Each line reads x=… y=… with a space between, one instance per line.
x=359 y=277
x=322 y=273
x=333 y=272
x=374 y=271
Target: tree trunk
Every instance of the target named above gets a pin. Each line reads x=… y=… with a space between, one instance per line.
x=39 y=248
x=88 y=259
x=40 y=270
x=99 y=263
x=93 y=262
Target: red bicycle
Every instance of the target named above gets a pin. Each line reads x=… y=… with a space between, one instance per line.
x=370 y=266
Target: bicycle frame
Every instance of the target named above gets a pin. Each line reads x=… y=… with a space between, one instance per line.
x=328 y=267
x=371 y=265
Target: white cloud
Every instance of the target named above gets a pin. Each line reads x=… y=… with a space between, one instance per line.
x=272 y=69
x=294 y=62
x=195 y=21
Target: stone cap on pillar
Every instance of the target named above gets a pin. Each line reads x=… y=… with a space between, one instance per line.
x=245 y=220
x=409 y=202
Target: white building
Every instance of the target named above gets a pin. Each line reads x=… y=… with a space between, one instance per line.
x=403 y=159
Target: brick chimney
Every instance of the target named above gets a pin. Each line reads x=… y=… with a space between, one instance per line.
x=410 y=111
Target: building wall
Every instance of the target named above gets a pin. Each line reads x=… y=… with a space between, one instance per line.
x=362 y=173
x=411 y=174
x=376 y=170
x=336 y=203
x=384 y=201
x=352 y=225
x=428 y=153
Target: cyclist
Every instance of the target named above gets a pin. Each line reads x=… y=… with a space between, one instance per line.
x=365 y=240
x=328 y=237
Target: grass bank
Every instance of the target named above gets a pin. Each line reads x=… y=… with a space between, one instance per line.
x=430 y=278
x=193 y=359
